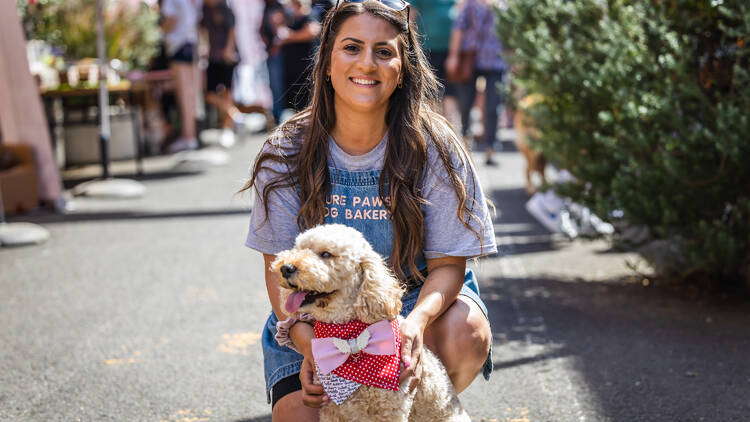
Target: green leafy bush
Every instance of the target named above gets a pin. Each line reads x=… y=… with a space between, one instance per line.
x=647 y=104
x=131 y=28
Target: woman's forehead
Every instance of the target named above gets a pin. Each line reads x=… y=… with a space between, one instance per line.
x=367 y=28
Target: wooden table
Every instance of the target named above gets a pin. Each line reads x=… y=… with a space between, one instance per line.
x=59 y=105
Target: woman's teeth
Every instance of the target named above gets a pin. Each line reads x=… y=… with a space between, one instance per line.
x=364 y=81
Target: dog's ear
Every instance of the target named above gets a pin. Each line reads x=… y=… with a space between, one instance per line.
x=380 y=293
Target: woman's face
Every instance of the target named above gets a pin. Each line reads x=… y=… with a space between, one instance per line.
x=365 y=64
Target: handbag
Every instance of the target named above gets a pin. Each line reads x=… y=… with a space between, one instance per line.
x=465 y=70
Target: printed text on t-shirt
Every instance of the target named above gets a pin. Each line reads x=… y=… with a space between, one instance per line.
x=358 y=207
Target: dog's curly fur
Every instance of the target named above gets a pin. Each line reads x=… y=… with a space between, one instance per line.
x=337 y=259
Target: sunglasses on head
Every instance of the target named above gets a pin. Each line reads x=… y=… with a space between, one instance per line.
x=397 y=5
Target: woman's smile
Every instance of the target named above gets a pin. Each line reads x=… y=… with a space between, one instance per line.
x=364 y=82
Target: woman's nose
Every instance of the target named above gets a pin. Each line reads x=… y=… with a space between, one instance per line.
x=367 y=61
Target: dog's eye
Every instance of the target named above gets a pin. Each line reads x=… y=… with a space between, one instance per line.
x=325 y=254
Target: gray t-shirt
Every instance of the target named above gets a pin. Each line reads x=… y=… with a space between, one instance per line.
x=444 y=234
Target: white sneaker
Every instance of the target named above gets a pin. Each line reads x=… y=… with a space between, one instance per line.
x=287 y=114
x=226 y=139
x=249 y=122
x=545 y=211
x=182 y=144
x=255 y=122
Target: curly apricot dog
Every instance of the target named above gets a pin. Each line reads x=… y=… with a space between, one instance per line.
x=335 y=276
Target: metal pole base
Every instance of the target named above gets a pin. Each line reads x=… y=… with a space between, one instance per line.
x=19 y=234
x=110 y=188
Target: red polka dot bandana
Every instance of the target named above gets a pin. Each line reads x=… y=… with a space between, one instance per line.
x=363 y=368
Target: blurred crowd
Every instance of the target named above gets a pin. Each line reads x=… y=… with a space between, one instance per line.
x=251 y=59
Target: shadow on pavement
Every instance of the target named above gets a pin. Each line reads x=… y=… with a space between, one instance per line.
x=258 y=419
x=69 y=183
x=507 y=146
x=643 y=353
x=51 y=218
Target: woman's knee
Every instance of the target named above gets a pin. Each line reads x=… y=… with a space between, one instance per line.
x=461 y=337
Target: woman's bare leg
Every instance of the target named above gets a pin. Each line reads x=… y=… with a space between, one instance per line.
x=184 y=74
x=291 y=409
x=461 y=338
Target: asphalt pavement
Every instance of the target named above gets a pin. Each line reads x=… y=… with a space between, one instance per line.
x=151 y=309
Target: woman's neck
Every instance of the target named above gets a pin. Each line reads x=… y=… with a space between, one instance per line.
x=358 y=133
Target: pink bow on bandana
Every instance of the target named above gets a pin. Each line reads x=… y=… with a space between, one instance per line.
x=331 y=352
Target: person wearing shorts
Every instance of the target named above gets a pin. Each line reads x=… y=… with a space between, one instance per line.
x=218 y=22
x=180 y=26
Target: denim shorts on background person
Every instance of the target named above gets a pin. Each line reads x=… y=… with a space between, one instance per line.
x=184 y=54
x=280 y=362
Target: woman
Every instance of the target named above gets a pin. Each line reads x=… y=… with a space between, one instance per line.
x=297 y=42
x=273 y=20
x=180 y=26
x=474 y=29
x=370 y=134
x=218 y=22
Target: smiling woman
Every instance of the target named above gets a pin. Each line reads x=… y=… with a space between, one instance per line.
x=371 y=131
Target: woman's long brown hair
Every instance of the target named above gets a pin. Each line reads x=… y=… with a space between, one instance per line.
x=411 y=121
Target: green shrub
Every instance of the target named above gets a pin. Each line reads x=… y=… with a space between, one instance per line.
x=647 y=104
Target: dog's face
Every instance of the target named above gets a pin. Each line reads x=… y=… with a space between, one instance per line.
x=334 y=274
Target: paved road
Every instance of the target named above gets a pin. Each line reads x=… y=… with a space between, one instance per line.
x=150 y=310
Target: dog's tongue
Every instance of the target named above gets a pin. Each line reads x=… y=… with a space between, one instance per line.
x=294 y=301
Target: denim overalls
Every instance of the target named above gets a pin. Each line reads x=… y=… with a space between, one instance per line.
x=354 y=201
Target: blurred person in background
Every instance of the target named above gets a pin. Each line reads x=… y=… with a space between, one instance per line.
x=474 y=29
x=180 y=25
x=297 y=41
x=433 y=18
x=274 y=19
x=251 y=91
x=218 y=22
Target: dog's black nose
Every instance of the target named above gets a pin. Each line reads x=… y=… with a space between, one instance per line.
x=287 y=270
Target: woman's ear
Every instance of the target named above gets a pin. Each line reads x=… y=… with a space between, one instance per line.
x=380 y=293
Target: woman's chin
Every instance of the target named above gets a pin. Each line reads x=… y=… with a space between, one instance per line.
x=370 y=102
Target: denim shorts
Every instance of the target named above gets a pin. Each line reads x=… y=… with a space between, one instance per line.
x=184 y=54
x=280 y=362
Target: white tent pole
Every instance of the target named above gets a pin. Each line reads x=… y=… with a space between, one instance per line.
x=108 y=187
x=103 y=93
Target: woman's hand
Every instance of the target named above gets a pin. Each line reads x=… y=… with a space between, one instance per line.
x=412 y=340
x=451 y=63
x=228 y=55
x=313 y=394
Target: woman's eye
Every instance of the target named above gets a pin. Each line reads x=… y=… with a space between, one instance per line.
x=325 y=254
x=385 y=53
x=351 y=48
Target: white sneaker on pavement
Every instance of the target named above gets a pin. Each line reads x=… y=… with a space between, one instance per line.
x=182 y=144
x=252 y=122
x=227 y=138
